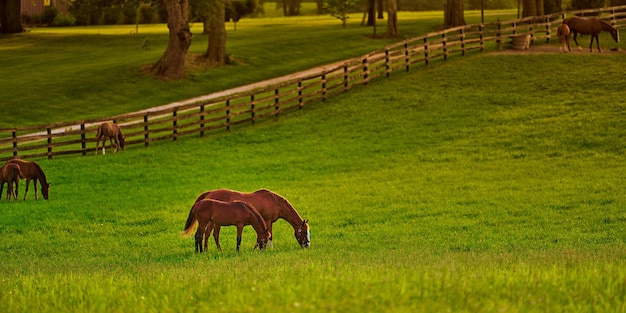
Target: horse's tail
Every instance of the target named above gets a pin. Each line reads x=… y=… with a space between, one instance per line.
x=190 y=224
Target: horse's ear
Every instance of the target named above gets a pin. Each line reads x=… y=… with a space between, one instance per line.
x=305 y=222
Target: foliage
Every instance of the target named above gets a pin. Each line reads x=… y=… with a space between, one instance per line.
x=493 y=4
x=586 y=4
x=237 y=9
x=475 y=185
x=64 y=20
x=341 y=8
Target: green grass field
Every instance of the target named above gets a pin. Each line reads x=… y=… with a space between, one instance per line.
x=491 y=183
x=68 y=74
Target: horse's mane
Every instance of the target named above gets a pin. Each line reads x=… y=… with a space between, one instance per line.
x=606 y=24
x=254 y=212
x=281 y=200
x=41 y=172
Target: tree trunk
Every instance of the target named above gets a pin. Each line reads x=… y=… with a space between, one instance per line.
x=320 y=7
x=454 y=15
x=392 y=19
x=172 y=63
x=530 y=8
x=216 y=52
x=540 y=7
x=10 y=17
x=381 y=9
x=371 y=12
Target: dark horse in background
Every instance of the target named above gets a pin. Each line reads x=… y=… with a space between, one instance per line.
x=10 y=173
x=32 y=171
x=590 y=26
x=271 y=206
x=112 y=132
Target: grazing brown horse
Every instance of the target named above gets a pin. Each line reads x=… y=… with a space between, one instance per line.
x=590 y=26
x=112 y=132
x=10 y=173
x=564 y=35
x=271 y=206
x=211 y=215
x=31 y=170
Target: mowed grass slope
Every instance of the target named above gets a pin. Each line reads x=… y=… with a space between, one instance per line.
x=67 y=74
x=485 y=184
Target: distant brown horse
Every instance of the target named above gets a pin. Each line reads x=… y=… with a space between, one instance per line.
x=564 y=35
x=211 y=215
x=590 y=26
x=10 y=173
x=112 y=132
x=31 y=170
x=271 y=206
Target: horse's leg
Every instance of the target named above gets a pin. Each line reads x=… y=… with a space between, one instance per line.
x=26 y=190
x=201 y=227
x=271 y=237
x=35 y=188
x=97 y=144
x=597 y=42
x=576 y=41
x=216 y=236
x=239 y=232
x=207 y=234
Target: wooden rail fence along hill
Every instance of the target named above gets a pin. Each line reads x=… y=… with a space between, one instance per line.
x=259 y=102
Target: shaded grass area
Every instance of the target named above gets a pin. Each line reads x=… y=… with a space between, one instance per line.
x=483 y=184
x=66 y=74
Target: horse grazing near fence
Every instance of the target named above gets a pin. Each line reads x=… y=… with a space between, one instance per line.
x=32 y=171
x=271 y=206
x=211 y=215
x=564 y=35
x=112 y=132
x=590 y=26
x=10 y=173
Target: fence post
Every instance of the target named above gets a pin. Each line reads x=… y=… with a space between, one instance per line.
x=49 y=132
x=202 y=120
x=407 y=60
x=146 y=131
x=324 y=86
x=83 y=142
x=499 y=36
x=445 y=47
x=387 y=63
x=252 y=110
x=276 y=102
x=462 y=31
x=482 y=41
x=300 y=100
x=175 y=125
x=365 y=72
x=14 y=135
x=345 y=78
x=426 y=50
x=228 y=115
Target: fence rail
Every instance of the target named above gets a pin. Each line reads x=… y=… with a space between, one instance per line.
x=268 y=102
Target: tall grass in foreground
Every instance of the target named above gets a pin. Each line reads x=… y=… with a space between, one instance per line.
x=479 y=185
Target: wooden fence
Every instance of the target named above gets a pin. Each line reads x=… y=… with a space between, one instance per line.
x=212 y=114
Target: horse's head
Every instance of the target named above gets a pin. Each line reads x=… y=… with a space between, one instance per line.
x=122 y=141
x=303 y=235
x=261 y=240
x=44 y=190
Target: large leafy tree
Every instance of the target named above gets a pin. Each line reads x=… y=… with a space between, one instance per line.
x=10 y=18
x=172 y=63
